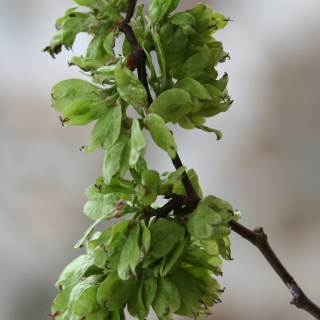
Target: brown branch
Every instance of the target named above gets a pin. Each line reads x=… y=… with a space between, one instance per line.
x=175 y=203
x=193 y=198
x=130 y=12
x=258 y=238
x=139 y=53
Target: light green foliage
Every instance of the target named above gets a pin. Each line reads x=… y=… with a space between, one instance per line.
x=167 y=299
x=172 y=105
x=164 y=235
x=82 y=112
x=150 y=182
x=159 y=9
x=114 y=292
x=75 y=270
x=64 y=93
x=129 y=87
x=161 y=134
x=159 y=257
x=186 y=21
x=106 y=130
x=130 y=254
x=138 y=143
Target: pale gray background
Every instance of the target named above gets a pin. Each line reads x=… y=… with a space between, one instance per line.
x=267 y=164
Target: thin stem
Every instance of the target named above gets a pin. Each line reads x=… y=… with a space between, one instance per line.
x=192 y=195
x=130 y=12
x=139 y=53
x=258 y=238
x=174 y=204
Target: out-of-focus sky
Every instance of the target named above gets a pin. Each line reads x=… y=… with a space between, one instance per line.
x=267 y=163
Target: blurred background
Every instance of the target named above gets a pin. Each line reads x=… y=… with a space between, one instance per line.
x=267 y=164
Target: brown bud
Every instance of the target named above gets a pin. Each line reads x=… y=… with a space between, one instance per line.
x=131 y=62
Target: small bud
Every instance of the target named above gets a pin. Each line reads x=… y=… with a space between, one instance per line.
x=120 y=205
x=131 y=62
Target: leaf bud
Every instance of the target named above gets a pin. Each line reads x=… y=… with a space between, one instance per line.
x=119 y=209
x=131 y=62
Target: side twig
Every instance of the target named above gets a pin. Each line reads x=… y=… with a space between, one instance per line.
x=258 y=238
x=175 y=203
x=193 y=198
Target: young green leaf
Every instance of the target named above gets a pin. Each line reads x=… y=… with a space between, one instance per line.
x=75 y=270
x=162 y=72
x=149 y=291
x=135 y=304
x=87 y=305
x=145 y=237
x=114 y=292
x=196 y=90
x=96 y=48
x=82 y=112
x=109 y=44
x=101 y=206
x=138 y=143
x=109 y=245
x=202 y=259
x=150 y=181
x=60 y=303
x=86 y=64
x=78 y=289
x=200 y=65
x=172 y=105
x=113 y=157
x=150 y=178
x=186 y=21
x=174 y=43
x=104 y=75
x=221 y=84
x=167 y=299
x=129 y=87
x=147 y=46
x=164 y=235
x=223 y=207
x=71 y=10
x=202 y=222
x=88 y=232
x=106 y=130
x=130 y=254
x=65 y=92
x=175 y=257
x=161 y=134
x=125 y=159
x=69 y=29
x=160 y=8
x=207 y=129
x=172 y=177
x=87 y=3
x=200 y=10
x=219 y=103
